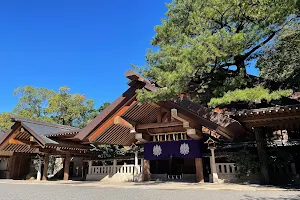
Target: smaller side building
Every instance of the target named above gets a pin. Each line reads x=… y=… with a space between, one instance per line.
x=28 y=146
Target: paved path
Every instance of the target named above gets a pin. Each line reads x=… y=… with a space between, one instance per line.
x=14 y=190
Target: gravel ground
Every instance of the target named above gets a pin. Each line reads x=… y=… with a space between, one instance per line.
x=11 y=191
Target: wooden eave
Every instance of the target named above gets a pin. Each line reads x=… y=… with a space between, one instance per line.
x=272 y=116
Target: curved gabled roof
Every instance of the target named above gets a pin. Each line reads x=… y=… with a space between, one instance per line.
x=103 y=129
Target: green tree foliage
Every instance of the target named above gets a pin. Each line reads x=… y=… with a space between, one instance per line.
x=5 y=122
x=204 y=46
x=280 y=62
x=47 y=105
x=70 y=109
x=246 y=161
x=255 y=94
x=32 y=102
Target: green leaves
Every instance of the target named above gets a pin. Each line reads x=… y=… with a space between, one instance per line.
x=5 y=122
x=70 y=109
x=200 y=40
x=281 y=61
x=32 y=101
x=48 y=106
x=249 y=95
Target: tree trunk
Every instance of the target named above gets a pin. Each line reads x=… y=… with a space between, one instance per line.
x=240 y=65
x=262 y=154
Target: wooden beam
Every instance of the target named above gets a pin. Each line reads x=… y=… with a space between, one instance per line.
x=120 y=102
x=193 y=133
x=166 y=117
x=159 y=115
x=174 y=114
x=46 y=164
x=15 y=141
x=10 y=135
x=142 y=137
x=158 y=125
x=120 y=121
x=110 y=121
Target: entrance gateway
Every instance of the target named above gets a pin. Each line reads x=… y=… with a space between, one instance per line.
x=173 y=134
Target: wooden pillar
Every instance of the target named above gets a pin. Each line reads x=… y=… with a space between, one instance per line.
x=67 y=165
x=146 y=170
x=46 y=164
x=39 y=172
x=199 y=170
x=262 y=154
x=114 y=166
x=159 y=115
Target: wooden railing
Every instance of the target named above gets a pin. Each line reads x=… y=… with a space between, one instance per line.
x=226 y=168
x=231 y=168
x=122 y=169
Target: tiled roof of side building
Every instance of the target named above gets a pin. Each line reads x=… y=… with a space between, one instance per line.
x=44 y=130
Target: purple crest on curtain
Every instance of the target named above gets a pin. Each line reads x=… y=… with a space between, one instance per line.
x=179 y=149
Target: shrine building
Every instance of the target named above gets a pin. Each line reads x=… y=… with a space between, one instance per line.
x=176 y=140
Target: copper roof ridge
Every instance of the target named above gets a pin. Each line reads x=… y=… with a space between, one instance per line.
x=33 y=121
x=62 y=133
x=263 y=109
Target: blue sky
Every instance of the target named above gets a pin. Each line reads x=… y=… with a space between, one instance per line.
x=86 y=45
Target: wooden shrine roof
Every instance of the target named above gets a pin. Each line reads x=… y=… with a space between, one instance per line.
x=28 y=136
x=281 y=117
x=113 y=125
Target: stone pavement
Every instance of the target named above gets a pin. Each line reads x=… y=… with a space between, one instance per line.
x=159 y=185
x=21 y=190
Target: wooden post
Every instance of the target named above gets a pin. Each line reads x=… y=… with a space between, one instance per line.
x=159 y=115
x=262 y=154
x=67 y=165
x=146 y=170
x=114 y=166
x=46 y=164
x=39 y=172
x=199 y=170
x=213 y=168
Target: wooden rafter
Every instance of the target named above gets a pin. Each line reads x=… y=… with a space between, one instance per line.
x=158 y=125
x=118 y=120
x=10 y=135
x=110 y=121
x=17 y=141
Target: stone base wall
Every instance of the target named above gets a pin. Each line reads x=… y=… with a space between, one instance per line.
x=163 y=177
x=118 y=177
